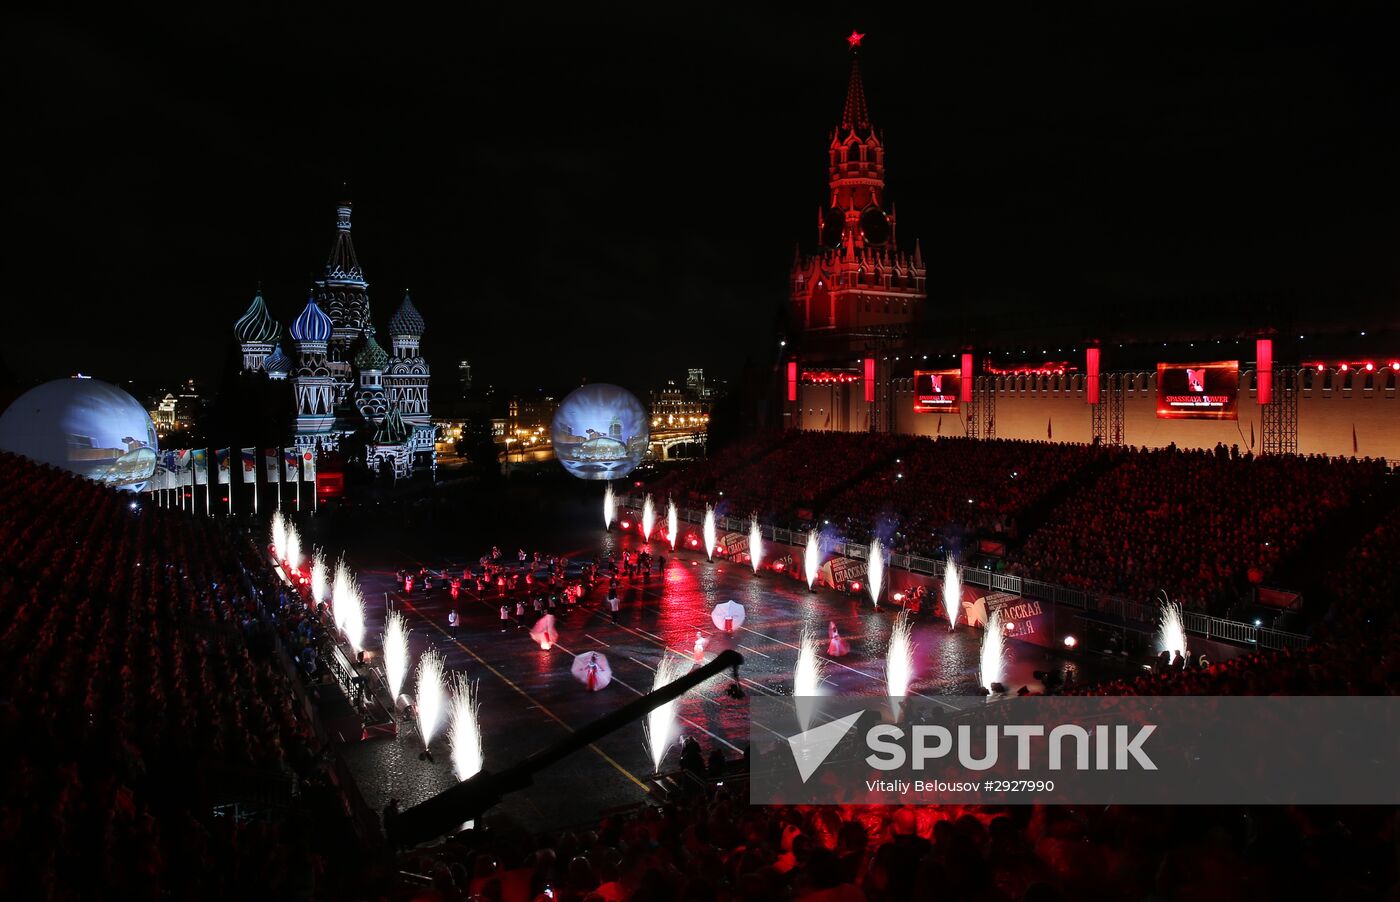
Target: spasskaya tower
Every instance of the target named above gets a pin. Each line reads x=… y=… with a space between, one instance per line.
x=858 y=285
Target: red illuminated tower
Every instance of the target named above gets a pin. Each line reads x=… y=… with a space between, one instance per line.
x=859 y=284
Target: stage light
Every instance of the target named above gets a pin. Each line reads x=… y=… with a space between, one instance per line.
x=1257 y=621
x=1395 y=364
x=855 y=586
x=1071 y=642
x=898 y=596
x=1370 y=367
x=1344 y=367
x=1010 y=626
x=1321 y=367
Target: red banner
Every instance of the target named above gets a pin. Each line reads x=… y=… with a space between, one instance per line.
x=869 y=379
x=1264 y=369
x=937 y=391
x=1198 y=391
x=1091 y=375
x=792 y=380
x=965 y=392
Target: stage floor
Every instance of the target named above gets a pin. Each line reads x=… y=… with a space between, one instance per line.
x=529 y=698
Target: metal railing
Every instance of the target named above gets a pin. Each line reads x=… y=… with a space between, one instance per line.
x=1107 y=606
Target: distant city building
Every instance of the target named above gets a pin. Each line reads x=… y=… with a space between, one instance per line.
x=528 y=422
x=464 y=377
x=344 y=382
x=677 y=408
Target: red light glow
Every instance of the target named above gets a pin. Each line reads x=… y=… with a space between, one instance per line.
x=854 y=38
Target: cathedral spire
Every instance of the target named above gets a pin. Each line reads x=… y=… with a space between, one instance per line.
x=343 y=266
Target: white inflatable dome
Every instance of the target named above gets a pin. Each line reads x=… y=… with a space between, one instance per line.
x=85 y=426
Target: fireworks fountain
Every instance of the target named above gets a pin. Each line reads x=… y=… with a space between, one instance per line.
x=320 y=582
x=395 y=652
x=993 y=651
x=293 y=547
x=899 y=663
x=341 y=587
x=609 y=506
x=811 y=560
x=875 y=570
x=648 y=518
x=1171 y=632
x=710 y=536
x=464 y=731
x=279 y=536
x=755 y=543
x=952 y=593
x=672 y=522
x=430 y=695
x=353 y=620
x=807 y=678
x=660 y=727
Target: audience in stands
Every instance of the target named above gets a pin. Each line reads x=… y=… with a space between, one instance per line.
x=132 y=704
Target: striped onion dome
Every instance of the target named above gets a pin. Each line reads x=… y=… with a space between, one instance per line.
x=371 y=356
x=277 y=362
x=312 y=324
x=406 y=320
x=256 y=325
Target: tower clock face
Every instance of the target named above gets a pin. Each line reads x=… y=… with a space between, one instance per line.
x=875 y=226
x=833 y=227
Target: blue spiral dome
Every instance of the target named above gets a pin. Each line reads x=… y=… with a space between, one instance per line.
x=312 y=324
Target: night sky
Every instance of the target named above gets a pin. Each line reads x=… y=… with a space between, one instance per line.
x=613 y=193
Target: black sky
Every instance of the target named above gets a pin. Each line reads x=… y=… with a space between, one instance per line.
x=613 y=192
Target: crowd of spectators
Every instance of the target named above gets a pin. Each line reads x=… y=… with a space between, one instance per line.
x=131 y=702
x=939 y=494
x=714 y=846
x=1202 y=525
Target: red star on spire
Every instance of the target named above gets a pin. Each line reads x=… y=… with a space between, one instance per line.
x=854 y=39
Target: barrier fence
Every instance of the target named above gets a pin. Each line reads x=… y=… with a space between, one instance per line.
x=1129 y=613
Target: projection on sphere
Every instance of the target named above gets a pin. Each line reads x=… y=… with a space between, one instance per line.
x=600 y=432
x=85 y=426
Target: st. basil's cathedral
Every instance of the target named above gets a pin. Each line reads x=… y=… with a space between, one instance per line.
x=346 y=387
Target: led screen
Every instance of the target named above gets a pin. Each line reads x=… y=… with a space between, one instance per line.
x=936 y=391
x=1198 y=391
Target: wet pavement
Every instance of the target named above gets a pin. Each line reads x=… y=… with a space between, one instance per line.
x=529 y=698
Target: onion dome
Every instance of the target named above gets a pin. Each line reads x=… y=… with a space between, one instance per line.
x=256 y=325
x=277 y=363
x=371 y=356
x=406 y=320
x=392 y=430
x=312 y=324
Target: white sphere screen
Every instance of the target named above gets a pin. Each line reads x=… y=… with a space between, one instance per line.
x=86 y=427
x=600 y=432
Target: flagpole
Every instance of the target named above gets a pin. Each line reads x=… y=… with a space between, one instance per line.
x=278 y=474
x=208 y=489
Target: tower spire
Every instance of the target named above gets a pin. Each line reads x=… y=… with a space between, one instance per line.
x=856 y=116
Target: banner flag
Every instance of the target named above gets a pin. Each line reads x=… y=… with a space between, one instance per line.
x=223 y=464
x=290 y=458
x=185 y=458
x=250 y=464
x=308 y=465
x=201 y=466
x=274 y=472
